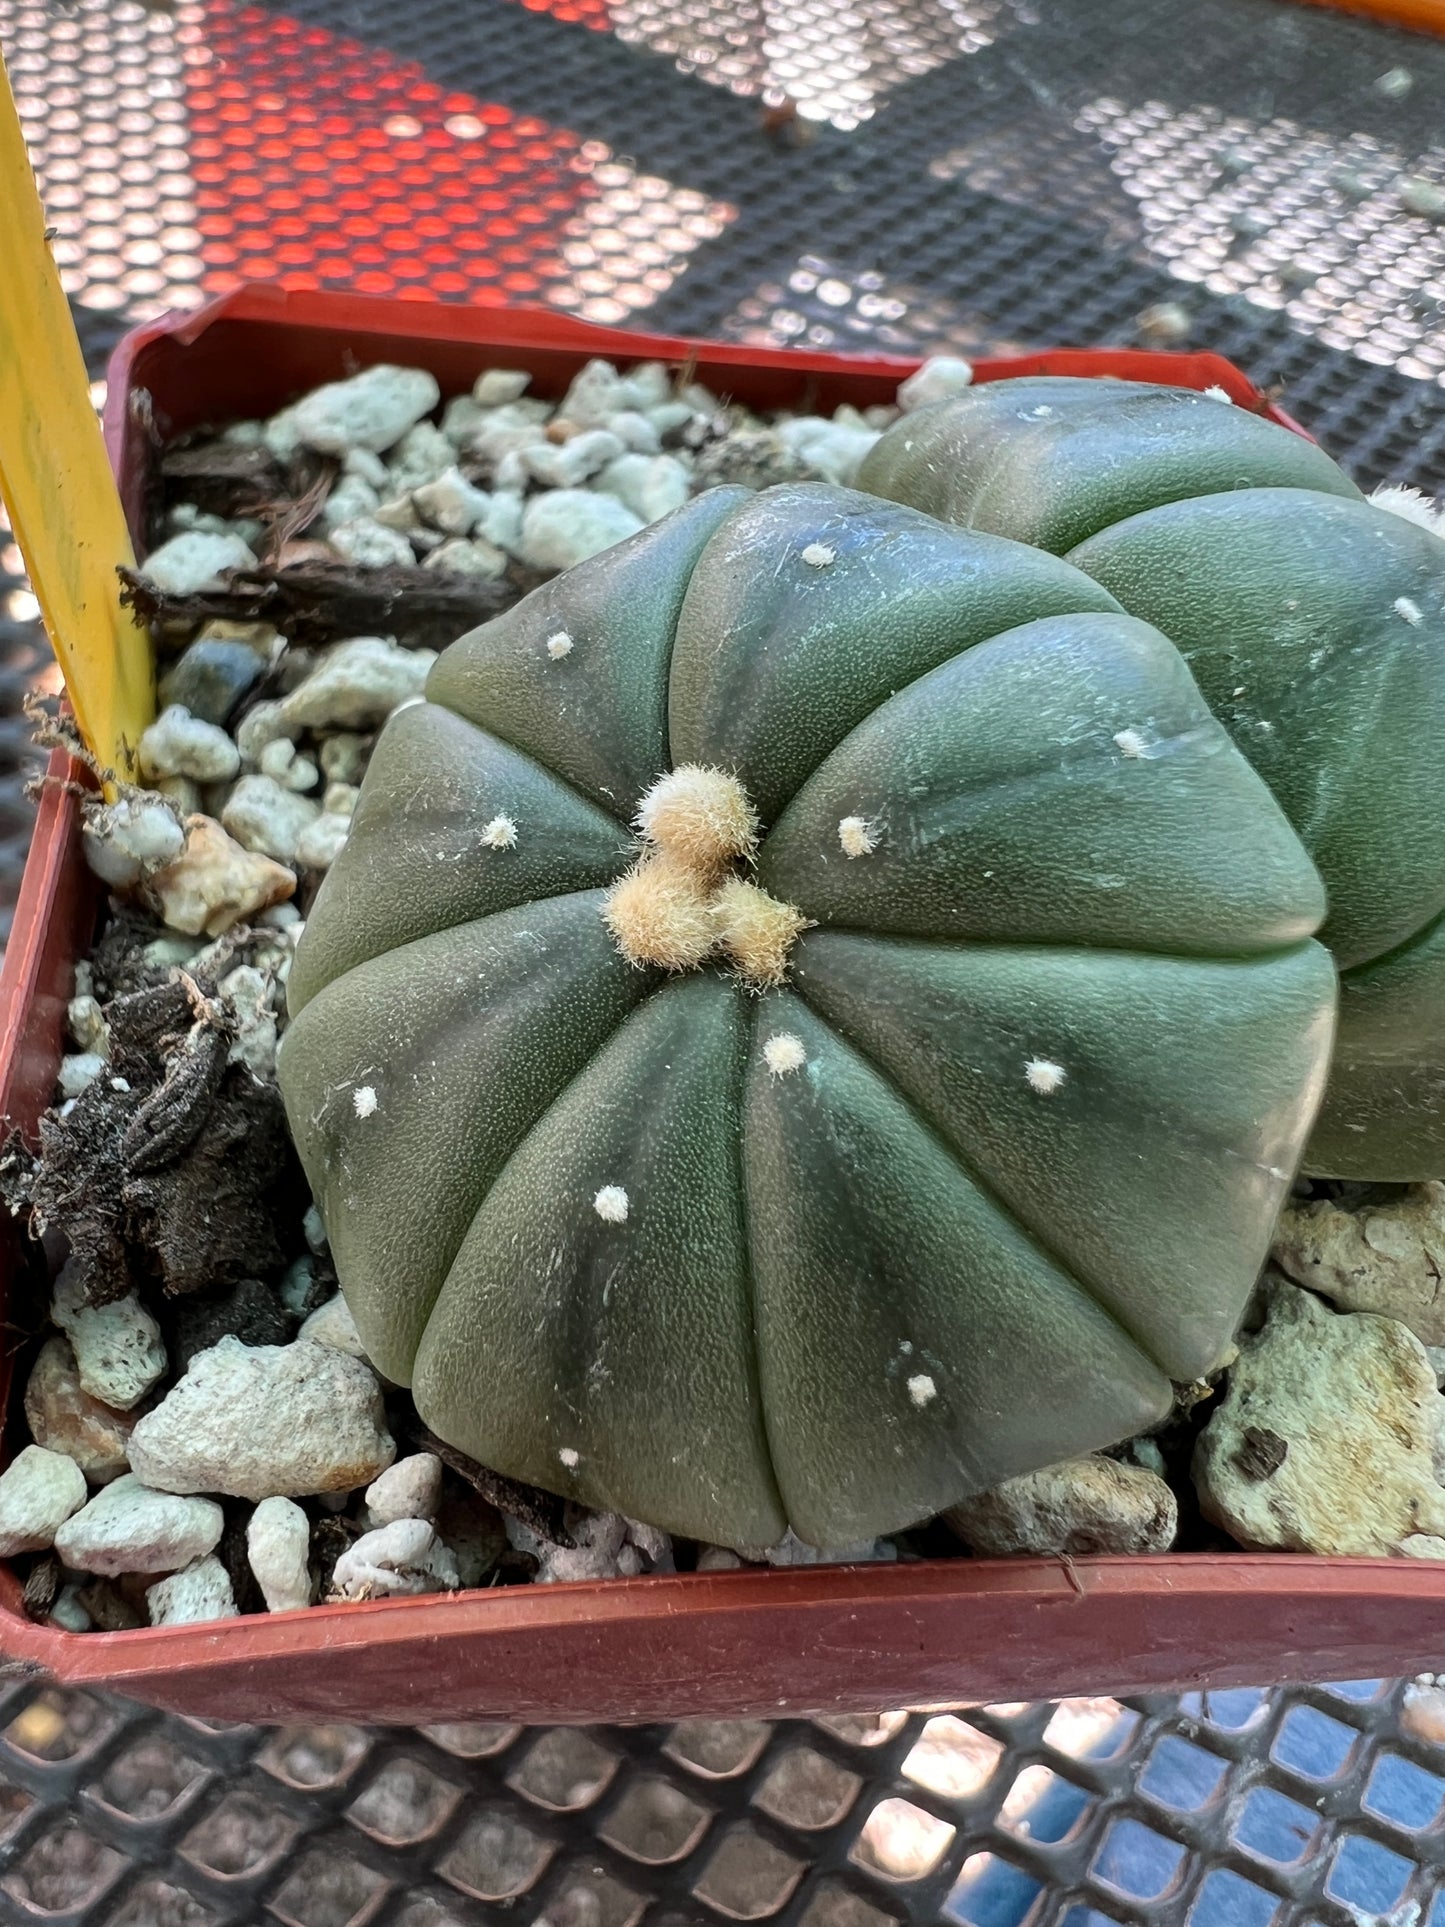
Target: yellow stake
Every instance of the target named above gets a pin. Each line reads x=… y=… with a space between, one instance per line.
x=55 y=479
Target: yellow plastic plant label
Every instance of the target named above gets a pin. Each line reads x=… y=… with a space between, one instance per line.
x=55 y=479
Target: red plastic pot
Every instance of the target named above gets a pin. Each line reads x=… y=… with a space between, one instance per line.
x=732 y=1644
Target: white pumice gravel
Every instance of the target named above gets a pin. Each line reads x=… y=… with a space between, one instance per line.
x=332 y=1324
x=119 y=1351
x=189 y=563
x=278 y=1549
x=130 y=1527
x=372 y=410
x=264 y=816
x=356 y=685
x=199 y=1593
x=410 y=1489
x=180 y=744
x=396 y=1561
x=567 y=525
x=39 y=1491
x=266 y=1421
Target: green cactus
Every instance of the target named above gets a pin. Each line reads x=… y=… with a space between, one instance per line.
x=1314 y=623
x=902 y=1107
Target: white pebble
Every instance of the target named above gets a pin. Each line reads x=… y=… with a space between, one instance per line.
x=938 y=378
x=255 y=1421
x=332 y=1324
x=86 y=1023
x=634 y=431
x=651 y=486
x=352 y=500
x=410 y=1489
x=130 y=838
x=249 y=992
x=559 y=645
x=369 y=544
x=612 y=1204
x=280 y=762
x=499 y=385
x=372 y=410
x=568 y=464
x=39 y=1491
x=265 y=816
x=502 y=524
x=857 y=836
x=451 y=503
x=314 y=1231
x=784 y=1052
x=568 y=525
x=180 y=744
x=78 y=1072
x=131 y=1527
x=366 y=465
x=356 y=685
x=1408 y=611
x=321 y=842
x=500 y=833
x=422 y=455
x=818 y=555
x=1043 y=1076
x=119 y=1351
x=259 y=726
x=396 y=1561
x=278 y=1547
x=832 y=450
x=189 y=564
x=191 y=1598
x=478 y=558
x=922 y=1390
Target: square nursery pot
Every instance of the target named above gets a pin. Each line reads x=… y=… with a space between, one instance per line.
x=748 y=1643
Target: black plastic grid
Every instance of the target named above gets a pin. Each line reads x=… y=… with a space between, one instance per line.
x=1321 y=1804
x=906 y=174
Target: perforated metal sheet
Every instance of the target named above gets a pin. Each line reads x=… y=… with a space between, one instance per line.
x=903 y=173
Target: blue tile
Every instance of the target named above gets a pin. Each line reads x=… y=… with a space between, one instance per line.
x=1274 y=1827
x=1367 y=1875
x=1181 y=1775
x=1311 y=1743
x=1227 y=1900
x=992 y=1893
x=1137 y=1860
x=1403 y=1792
x=1231 y=1710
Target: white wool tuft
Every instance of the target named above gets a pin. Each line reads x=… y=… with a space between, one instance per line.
x=559 y=645
x=818 y=555
x=1408 y=611
x=1130 y=742
x=611 y=1204
x=858 y=836
x=500 y=833
x=784 y=1052
x=1043 y=1076
x=921 y=1389
x=1411 y=504
x=364 y=1101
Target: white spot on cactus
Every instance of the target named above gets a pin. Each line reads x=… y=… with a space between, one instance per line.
x=1216 y=393
x=1130 y=742
x=921 y=1389
x=1043 y=1076
x=364 y=1101
x=1408 y=611
x=569 y=1456
x=559 y=645
x=611 y=1204
x=784 y=1052
x=818 y=555
x=500 y=833
x=858 y=836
